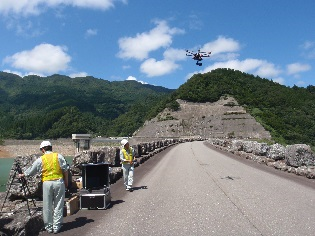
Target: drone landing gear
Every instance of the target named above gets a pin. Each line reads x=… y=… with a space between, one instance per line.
x=198 y=63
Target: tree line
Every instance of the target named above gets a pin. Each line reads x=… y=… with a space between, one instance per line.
x=36 y=107
x=287 y=113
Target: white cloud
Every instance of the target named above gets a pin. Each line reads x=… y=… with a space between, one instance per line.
x=308 y=49
x=300 y=83
x=225 y=56
x=44 y=58
x=14 y=72
x=279 y=80
x=19 y=73
x=221 y=45
x=174 y=54
x=153 y=68
x=25 y=28
x=96 y=4
x=135 y=79
x=308 y=45
x=142 y=44
x=79 y=74
x=296 y=68
x=222 y=49
x=125 y=67
x=194 y=22
x=261 y=68
x=91 y=32
x=267 y=70
x=131 y=78
x=36 y=7
x=225 y=53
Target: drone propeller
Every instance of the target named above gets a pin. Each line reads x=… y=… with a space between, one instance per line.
x=188 y=51
x=205 y=54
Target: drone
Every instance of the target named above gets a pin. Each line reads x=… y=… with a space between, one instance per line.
x=197 y=56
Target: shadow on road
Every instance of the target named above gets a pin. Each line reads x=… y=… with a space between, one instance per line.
x=112 y=203
x=78 y=222
x=138 y=188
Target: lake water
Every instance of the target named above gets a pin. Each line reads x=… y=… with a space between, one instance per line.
x=5 y=167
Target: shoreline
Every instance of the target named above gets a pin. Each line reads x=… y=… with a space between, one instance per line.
x=4 y=153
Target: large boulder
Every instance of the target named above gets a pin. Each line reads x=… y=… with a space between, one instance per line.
x=29 y=187
x=299 y=155
x=248 y=146
x=276 y=152
x=21 y=223
x=237 y=145
x=260 y=149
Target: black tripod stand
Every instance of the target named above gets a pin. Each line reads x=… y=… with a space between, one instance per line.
x=22 y=180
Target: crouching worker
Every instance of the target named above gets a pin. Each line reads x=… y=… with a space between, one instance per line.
x=54 y=170
x=127 y=157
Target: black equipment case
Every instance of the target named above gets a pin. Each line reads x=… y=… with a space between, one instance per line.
x=95 y=193
x=96 y=199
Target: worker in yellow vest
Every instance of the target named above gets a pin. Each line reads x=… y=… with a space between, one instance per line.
x=54 y=171
x=127 y=156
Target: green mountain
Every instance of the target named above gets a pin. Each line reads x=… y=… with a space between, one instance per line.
x=287 y=113
x=35 y=107
x=56 y=106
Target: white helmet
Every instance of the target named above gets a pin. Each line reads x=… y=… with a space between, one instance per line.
x=124 y=142
x=45 y=144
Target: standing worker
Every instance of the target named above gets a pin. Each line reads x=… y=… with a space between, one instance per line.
x=127 y=154
x=54 y=170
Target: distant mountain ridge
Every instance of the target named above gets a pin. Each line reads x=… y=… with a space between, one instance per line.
x=57 y=91
x=56 y=106
x=33 y=107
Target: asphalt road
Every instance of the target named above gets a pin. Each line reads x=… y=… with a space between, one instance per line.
x=191 y=189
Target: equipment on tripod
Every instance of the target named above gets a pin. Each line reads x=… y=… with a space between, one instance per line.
x=22 y=180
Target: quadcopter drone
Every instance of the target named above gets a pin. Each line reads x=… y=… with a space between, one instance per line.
x=197 y=56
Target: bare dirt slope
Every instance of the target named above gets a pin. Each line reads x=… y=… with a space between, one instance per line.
x=224 y=118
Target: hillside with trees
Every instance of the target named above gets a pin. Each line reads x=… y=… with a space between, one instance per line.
x=287 y=113
x=35 y=107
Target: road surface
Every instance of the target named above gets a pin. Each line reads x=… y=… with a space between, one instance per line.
x=191 y=189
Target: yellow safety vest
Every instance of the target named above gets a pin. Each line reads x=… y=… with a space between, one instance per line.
x=127 y=156
x=51 y=169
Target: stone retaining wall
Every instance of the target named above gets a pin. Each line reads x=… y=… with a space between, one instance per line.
x=297 y=159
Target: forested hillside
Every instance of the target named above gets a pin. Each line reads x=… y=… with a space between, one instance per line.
x=288 y=113
x=57 y=106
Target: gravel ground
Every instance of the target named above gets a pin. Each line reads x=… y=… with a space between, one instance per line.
x=14 y=148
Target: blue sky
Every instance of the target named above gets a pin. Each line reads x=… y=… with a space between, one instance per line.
x=145 y=40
